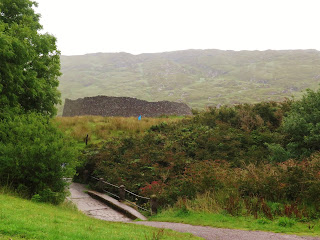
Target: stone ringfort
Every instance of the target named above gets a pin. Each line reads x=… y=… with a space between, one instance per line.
x=123 y=107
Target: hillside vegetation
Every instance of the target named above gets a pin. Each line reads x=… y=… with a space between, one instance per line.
x=260 y=160
x=198 y=77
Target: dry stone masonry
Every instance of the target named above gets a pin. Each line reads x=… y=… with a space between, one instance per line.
x=122 y=106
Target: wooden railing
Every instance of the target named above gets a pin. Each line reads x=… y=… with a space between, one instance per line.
x=122 y=194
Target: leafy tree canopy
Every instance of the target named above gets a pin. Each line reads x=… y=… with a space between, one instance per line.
x=35 y=156
x=302 y=125
x=30 y=61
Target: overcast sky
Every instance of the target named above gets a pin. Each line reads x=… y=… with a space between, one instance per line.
x=147 y=26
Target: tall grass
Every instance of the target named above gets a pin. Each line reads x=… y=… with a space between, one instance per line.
x=206 y=202
x=215 y=208
x=101 y=128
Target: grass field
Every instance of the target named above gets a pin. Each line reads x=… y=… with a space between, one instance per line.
x=22 y=219
x=102 y=128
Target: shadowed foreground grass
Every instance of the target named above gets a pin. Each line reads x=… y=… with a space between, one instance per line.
x=280 y=225
x=23 y=219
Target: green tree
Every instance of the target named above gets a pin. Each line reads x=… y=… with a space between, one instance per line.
x=35 y=156
x=29 y=60
x=302 y=125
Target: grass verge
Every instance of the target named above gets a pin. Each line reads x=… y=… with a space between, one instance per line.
x=280 y=225
x=23 y=219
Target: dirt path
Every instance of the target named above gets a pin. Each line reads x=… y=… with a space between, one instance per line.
x=98 y=210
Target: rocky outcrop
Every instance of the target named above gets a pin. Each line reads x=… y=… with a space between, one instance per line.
x=122 y=106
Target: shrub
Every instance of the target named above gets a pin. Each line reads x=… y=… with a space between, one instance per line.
x=35 y=156
x=223 y=152
x=302 y=125
x=286 y=222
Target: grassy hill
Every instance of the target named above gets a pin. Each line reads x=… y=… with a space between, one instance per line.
x=198 y=77
x=22 y=219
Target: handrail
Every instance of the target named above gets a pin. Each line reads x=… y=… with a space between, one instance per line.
x=95 y=178
x=106 y=182
x=137 y=206
x=111 y=193
x=136 y=195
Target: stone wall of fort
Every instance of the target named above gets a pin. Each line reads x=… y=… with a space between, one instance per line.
x=122 y=106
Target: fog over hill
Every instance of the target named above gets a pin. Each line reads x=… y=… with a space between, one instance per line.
x=199 y=78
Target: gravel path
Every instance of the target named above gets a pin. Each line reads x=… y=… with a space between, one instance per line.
x=93 y=207
x=99 y=210
x=211 y=233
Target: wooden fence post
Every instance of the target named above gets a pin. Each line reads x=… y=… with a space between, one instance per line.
x=100 y=184
x=86 y=139
x=85 y=176
x=122 y=193
x=154 y=204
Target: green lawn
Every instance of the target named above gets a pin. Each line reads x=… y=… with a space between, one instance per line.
x=23 y=219
x=281 y=225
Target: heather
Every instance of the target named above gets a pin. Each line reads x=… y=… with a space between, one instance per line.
x=246 y=157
